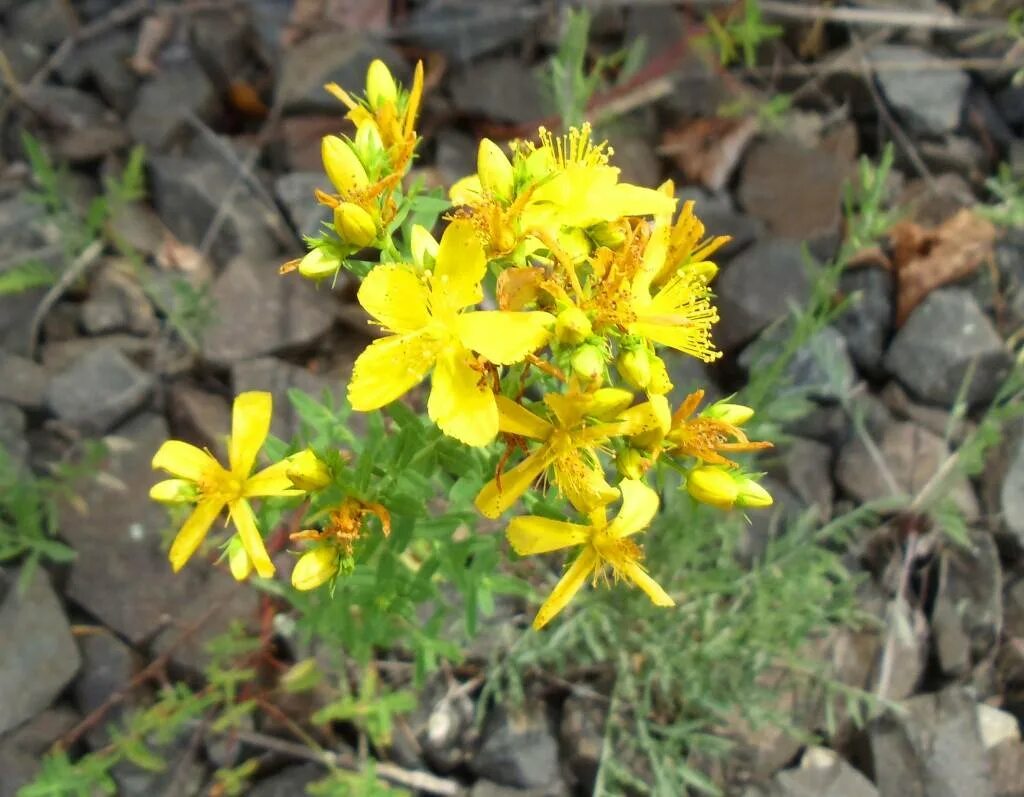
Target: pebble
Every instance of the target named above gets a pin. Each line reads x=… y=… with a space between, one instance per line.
x=165 y=103
x=22 y=381
x=99 y=390
x=866 y=323
x=822 y=773
x=1011 y=497
x=929 y=100
x=518 y=748
x=295 y=192
x=288 y=782
x=501 y=89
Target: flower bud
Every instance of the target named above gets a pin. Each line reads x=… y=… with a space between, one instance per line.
x=712 y=486
x=660 y=384
x=354 y=225
x=734 y=414
x=632 y=463
x=238 y=560
x=588 y=362
x=424 y=245
x=751 y=494
x=607 y=234
x=381 y=88
x=703 y=270
x=307 y=471
x=344 y=169
x=495 y=170
x=368 y=143
x=315 y=567
x=634 y=366
x=572 y=326
x=608 y=402
x=317 y=265
x=174 y=491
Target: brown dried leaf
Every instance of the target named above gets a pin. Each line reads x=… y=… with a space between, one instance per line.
x=928 y=259
x=707 y=150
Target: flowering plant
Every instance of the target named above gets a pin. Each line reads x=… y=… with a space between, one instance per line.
x=541 y=314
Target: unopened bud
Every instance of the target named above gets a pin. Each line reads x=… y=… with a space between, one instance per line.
x=381 y=88
x=174 y=491
x=368 y=143
x=752 y=495
x=315 y=567
x=608 y=402
x=572 y=326
x=632 y=463
x=712 y=486
x=734 y=414
x=344 y=169
x=355 y=226
x=318 y=265
x=607 y=234
x=307 y=471
x=588 y=362
x=634 y=366
x=495 y=170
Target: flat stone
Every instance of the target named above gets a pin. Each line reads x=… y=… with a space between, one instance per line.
x=822 y=773
x=488 y=788
x=264 y=312
x=295 y=192
x=443 y=727
x=581 y=733
x=1011 y=496
x=501 y=89
x=455 y=154
x=62 y=355
x=866 y=323
x=289 y=782
x=932 y=749
x=1010 y=102
x=761 y=285
x=21 y=752
x=83 y=128
x=43 y=22
x=810 y=179
x=465 y=31
x=188 y=193
x=336 y=57
x=928 y=100
x=518 y=749
x=807 y=467
x=1007 y=763
x=22 y=381
x=34 y=627
x=996 y=727
x=12 y=434
x=25 y=234
x=165 y=101
x=943 y=337
x=968 y=612
x=98 y=391
x=103 y=62
x=108 y=665
x=201 y=416
x=821 y=369
x=913 y=455
x=117 y=302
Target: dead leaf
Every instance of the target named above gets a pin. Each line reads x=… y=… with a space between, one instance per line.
x=178 y=256
x=707 y=150
x=154 y=32
x=244 y=97
x=926 y=259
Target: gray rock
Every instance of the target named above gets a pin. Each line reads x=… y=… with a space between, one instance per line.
x=335 y=57
x=720 y=217
x=636 y=160
x=40 y=657
x=518 y=749
x=867 y=321
x=1011 y=497
x=201 y=416
x=289 y=782
x=931 y=749
x=455 y=156
x=811 y=180
x=103 y=61
x=25 y=235
x=822 y=773
x=968 y=612
x=83 y=128
x=43 y=22
x=295 y=192
x=820 y=369
x=581 y=733
x=488 y=788
x=464 y=31
x=188 y=193
x=806 y=466
x=996 y=727
x=659 y=27
x=943 y=337
x=1006 y=761
x=12 y=434
x=24 y=56
x=108 y=665
x=64 y=354
x=220 y=39
x=99 y=390
x=928 y=100
x=913 y=456
x=1010 y=102
x=501 y=89
x=934 y=419
x=22 y=381
x=761 y=285
x=443 y=726
x=21 y=752
x=117 y=303
x=164 y=103
x=687 y=375
x=905 y=647
x=264 y=312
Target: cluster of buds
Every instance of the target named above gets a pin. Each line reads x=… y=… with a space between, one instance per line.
x=598 y=281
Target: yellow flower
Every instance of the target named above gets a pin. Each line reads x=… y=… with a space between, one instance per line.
x=686 y=246
x=581 y=423
x=307 y=471
x=430 y=332
x=218 y=487
x=707 y=436
x=604 y=546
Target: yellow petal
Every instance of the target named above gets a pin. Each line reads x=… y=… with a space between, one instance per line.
x=174 y=491
x=250 y=425
x=583 y=483
x=388 y=368
x=492 y=501
x=306 y=471
x=396 y=297
x=639 y=506
x=461 y=402
x=635 y=572
x=185 y=461
x=516 y=419
x=412 y=106
x=687 y=338
x=459 y=267
x=466 y=191
x=245 y=521
x=504 y=337
x=532 y=534
x=193 y=532
x=422 y=244
x=566 y=588
x=271 y=481
x=238 y=560
x=634 y=200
